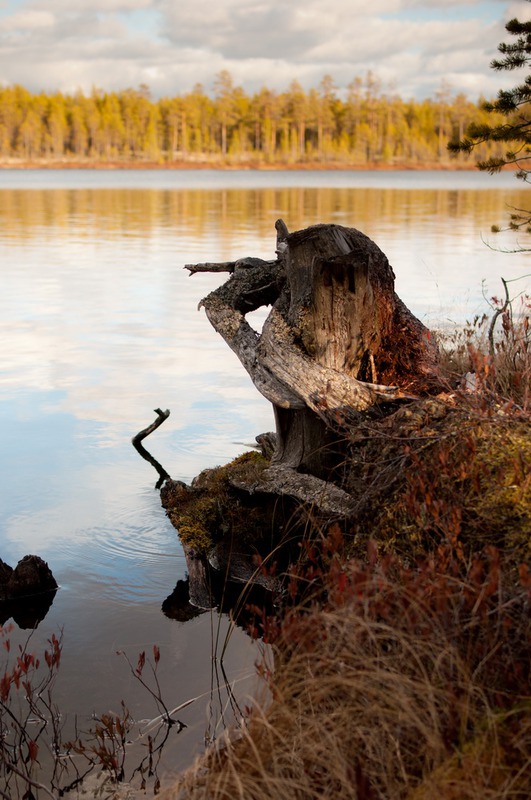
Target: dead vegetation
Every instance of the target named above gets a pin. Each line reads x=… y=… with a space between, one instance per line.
x=402 y=647
x=405 y=683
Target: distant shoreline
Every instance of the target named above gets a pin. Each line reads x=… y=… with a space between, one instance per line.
x=87 y=164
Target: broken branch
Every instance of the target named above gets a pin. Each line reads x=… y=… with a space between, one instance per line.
x=137 y=444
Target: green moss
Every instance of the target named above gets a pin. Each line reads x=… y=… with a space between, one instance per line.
x=211 y=508
x=193 y=536
x=504 y=497
x=429 y=476
x=436 y=472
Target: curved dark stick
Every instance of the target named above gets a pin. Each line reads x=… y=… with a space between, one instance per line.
x=161 y=416
x=199 y=590
x=136 y=442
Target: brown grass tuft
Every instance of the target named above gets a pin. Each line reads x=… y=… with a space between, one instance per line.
x=494 y=351
x=392 y=690
x=404 y=674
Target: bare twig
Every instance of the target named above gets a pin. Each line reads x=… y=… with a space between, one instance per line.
x=222 y=266
x=162 y=415
x=500 y=310
x=137 y=444
x=227 y=266
x=29 y=781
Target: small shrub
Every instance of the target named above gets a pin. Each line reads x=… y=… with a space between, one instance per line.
x=36 y=762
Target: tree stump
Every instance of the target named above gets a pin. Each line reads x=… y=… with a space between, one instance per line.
x=337 y=341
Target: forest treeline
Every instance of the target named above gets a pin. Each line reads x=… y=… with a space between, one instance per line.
x=363 y=126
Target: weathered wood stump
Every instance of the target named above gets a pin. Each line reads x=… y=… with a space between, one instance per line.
x=337 y=341
x=337 y=344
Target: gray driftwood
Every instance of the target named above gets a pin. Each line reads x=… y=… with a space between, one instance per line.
x=337 y=341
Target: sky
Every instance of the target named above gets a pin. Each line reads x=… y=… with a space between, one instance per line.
x=415 y=48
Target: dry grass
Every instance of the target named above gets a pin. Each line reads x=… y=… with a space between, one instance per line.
x=406 y=677
x=387 y=692
x=496 y=350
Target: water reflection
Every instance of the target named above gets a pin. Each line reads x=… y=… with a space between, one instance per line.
x=221 y=218
x=100 y=327
x=141 y=450
x=27 y=612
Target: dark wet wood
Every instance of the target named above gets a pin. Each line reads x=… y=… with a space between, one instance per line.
x=139 y=447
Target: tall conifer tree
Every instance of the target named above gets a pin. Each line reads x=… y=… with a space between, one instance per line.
x=514 y=133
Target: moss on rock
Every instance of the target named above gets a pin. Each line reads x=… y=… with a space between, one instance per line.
x=211 y=508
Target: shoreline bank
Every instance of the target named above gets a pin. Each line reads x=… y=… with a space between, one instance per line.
x=21 y=164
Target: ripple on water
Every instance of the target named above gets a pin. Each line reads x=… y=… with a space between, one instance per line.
x=133 y=556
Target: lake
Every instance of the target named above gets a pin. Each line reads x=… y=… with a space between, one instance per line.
x=100 y=326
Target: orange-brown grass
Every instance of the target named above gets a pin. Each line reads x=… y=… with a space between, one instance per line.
x=496 y=350
x=406 y=683
x=403 y=674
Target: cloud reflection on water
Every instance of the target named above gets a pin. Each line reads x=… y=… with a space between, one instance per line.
x=102 y=320
x=100 y=326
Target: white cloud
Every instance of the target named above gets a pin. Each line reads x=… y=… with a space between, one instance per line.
x=518 y=9
x=27 y=21
x=171 y=46
x=442 y=4
x=93 y=6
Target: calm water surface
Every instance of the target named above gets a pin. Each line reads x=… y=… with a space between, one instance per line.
x=100 y=326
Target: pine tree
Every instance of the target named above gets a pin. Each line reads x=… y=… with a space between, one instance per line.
x=514 y=132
